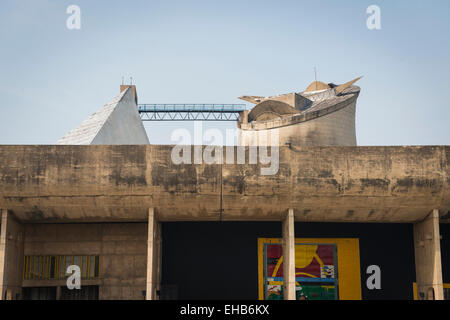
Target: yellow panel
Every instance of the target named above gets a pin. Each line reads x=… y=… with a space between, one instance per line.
x=29 y=268
x=24 y=267
x=349 y=276
x=40 y=267
x=33 y=271
x=415 y=291
x=88 y=267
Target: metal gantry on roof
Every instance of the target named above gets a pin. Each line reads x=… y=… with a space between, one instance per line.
x=190 y=112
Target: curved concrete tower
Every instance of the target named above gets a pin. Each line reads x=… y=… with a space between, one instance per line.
x=322 y=115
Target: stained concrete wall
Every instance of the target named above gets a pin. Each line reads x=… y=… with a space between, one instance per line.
x=122 y=249
x=120 y=183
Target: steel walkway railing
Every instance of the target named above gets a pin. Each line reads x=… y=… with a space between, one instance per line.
x=190 y=112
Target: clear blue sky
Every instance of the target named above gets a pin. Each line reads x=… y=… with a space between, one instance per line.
x=52 y=78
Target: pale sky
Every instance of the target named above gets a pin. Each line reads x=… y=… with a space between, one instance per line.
x=52 y=78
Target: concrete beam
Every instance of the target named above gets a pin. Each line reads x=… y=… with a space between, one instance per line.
x=427 y=251
x=11 y=256
x=153 y=256
x=289 y=256
x=119 y=183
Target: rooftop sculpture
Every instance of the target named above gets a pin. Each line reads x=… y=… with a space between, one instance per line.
x=304 y=111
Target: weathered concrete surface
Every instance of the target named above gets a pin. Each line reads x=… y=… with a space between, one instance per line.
x=153 y=256
x=331 y=128
x=122 y=248
x=289 y=256
x=120 y=183
x=322 y=118
x=427 y=253
x=11 y=256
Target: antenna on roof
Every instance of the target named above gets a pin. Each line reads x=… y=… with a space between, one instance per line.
x=131 y=81
x=122 y=80
x=315 y=76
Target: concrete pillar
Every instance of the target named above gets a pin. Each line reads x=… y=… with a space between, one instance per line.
x=11 y=256
x=153 y=256
x=427 y=252
x=289 y=256
x=243 y=116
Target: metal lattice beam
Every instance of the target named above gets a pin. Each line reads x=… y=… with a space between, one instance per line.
x=190 y=112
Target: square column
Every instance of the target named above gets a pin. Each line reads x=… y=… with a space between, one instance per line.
x=11 y=256
x=289 y=256
x=427 y=252
x=153 y=256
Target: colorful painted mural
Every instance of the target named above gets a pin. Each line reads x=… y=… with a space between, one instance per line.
x=315 y=270
x=317 y=263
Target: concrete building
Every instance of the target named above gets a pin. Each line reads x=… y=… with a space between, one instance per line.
x=322 y=115
x=334 y=222
x=117 y=122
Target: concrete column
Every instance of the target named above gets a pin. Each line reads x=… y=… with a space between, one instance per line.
x=427 y=252
x=289 y=256
x=11 y=256
x=153 y=256
x=244 y=116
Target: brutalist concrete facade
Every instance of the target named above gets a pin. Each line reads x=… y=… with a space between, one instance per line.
x=137 y=223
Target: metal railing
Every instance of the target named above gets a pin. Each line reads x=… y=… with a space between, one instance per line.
x=190 y=112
